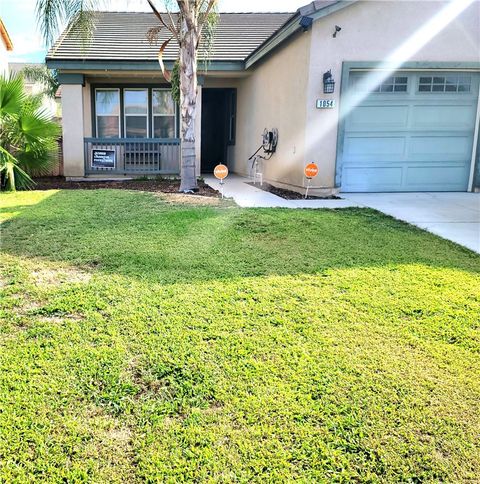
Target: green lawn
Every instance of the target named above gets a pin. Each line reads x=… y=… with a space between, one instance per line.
x=143 y=340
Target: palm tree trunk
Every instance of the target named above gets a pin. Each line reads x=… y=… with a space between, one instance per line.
x=188 y=106
x=10 y=178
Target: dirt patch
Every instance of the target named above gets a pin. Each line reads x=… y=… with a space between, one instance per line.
x=289 y=194
x=29 y=307
x=110 y=443
x=161 y=185
x=146 y=383
x=55 y=277
x=62 y=319
x=195 y=200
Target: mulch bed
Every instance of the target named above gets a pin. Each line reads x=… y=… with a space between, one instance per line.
x=156 y=186
x=289 y=194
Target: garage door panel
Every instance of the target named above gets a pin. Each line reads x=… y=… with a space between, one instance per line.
x=416 y=140
x=378 y=117
x=372 y=178
x=451 y=117
x=443 y=177
x=440 y=148
x=374 y=148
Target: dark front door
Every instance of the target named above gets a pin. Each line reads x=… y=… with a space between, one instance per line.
x=216 y=118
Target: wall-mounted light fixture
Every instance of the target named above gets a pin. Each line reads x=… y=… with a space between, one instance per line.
x=328 y=83
x=337 y=29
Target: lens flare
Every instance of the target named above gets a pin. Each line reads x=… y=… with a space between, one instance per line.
x=393 y=62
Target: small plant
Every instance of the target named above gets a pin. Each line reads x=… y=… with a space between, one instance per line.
x=28 y=137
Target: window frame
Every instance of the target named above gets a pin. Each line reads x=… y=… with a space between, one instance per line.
x=232 y=117
x=445 y=76
x=394 y=83
x=121 y=88
x=96 y=115
x=357 y=84
x=125 y=115
x=175 y=114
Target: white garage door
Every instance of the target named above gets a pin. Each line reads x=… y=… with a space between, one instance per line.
x=414 y=133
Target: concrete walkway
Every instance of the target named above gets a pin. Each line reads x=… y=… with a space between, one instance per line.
x=453 y=216
x=245 y=195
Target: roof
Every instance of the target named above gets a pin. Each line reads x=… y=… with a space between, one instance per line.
x=315 y=7
x=121 y=36
x=313 y=11
x=5 y=37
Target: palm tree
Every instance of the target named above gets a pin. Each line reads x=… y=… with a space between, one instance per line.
x=28 y=137
x=188 y=21
x=47 y=78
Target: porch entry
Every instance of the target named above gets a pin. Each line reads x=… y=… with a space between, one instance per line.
x=135 y=131
x=218 y=126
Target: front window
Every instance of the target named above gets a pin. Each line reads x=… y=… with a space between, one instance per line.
x=164 y=113
x=107 y=102
x=135 y=103
x=134 y=112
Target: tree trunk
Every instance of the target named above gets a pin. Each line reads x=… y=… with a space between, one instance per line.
x=10 y=177
x=188 y=103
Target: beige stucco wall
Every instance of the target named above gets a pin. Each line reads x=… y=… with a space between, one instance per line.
x=274 y=96
x=73 y=130
x=87 y=111
x=372 y=31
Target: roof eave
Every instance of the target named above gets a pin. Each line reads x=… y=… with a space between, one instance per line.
x=129 y=65
x=293 y=26
x=5 y=36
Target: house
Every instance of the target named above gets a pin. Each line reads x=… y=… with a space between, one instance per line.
x=383 y=96
x=5 y=47
x=51 y=106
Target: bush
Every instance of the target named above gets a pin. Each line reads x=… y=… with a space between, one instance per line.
x=28 y=137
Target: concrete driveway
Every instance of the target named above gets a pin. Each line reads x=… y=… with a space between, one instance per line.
x=453 y=216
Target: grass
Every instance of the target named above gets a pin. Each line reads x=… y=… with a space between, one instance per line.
x=144 y=340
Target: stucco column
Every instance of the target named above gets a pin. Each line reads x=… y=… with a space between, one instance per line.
x=73 y=132
x=198 y=132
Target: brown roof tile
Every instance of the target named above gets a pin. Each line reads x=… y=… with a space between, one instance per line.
x=122 y=36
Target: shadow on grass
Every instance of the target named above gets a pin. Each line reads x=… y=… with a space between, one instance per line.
x=138 y=235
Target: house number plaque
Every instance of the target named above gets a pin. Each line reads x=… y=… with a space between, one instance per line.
x=325 y=103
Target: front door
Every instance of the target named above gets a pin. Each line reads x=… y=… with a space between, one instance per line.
x=216 y=119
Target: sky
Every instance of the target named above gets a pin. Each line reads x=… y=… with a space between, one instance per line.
x=19 y=18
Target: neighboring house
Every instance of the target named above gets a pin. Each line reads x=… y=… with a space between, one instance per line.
x=409 y=124
x=52 y=106
x=5 y=47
